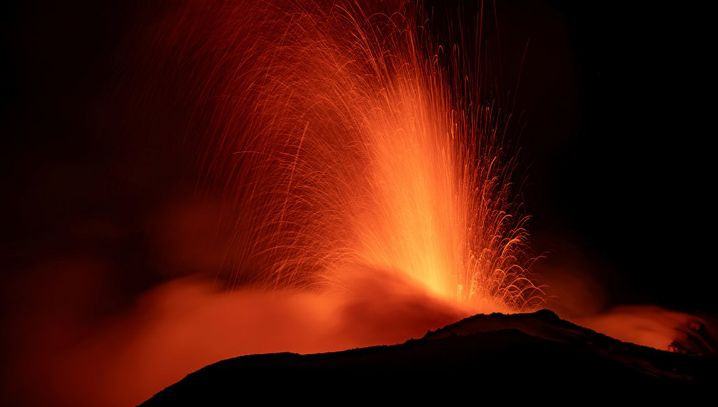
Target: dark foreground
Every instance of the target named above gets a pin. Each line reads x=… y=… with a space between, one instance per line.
x=472 y=355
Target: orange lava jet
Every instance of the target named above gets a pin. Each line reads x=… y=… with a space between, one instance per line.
x=367 y=186
x=352 y=141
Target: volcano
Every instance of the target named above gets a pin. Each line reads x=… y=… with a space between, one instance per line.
x=191 y=181
x=532 y=348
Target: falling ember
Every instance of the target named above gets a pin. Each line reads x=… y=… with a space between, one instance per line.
x=349 y=145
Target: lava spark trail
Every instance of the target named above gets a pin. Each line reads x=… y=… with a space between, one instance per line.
x=349 y=144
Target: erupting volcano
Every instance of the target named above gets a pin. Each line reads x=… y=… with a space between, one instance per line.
x=350 y=146
x=314 y=177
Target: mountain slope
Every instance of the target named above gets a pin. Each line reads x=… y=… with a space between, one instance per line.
x=475 y=353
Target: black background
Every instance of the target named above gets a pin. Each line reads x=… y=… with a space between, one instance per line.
x=616 y=123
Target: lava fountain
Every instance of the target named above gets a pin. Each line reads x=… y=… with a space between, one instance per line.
x=350 y=141
x=367 y=187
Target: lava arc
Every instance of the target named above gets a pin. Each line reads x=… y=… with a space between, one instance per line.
x=352 y=142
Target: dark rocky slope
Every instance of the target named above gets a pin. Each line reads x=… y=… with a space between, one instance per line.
x=480 y=353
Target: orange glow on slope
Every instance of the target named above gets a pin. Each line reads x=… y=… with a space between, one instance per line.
x=651 y=326
x=186 y=324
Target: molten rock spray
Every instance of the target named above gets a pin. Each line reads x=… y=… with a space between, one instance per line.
x=367 y=188
x=350 y=148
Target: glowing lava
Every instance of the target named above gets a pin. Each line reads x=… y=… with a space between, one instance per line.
x=349 y=145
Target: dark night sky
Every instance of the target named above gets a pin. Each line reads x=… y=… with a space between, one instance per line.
x=612 y=107
x=633 y=178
